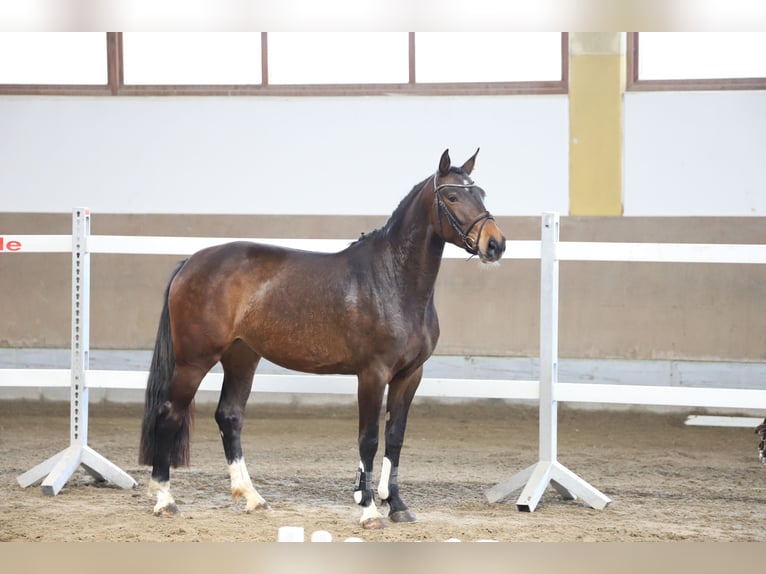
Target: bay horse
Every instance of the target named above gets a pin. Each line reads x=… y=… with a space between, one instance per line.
x=761 y=431
x=367 y=310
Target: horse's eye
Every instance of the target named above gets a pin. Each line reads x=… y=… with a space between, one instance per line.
x=452 y=198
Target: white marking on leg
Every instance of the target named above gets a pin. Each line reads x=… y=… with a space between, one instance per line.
x=242 y=485
x=165 y=503
x=385 y=476
x=370 y=513
x=371 y=518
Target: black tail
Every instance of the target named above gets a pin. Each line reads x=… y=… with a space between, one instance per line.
x=160 y=373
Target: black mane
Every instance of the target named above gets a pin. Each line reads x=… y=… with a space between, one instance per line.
x=398 y=213
x=402 y=207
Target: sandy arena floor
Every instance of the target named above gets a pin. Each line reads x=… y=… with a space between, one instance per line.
x=667 y=481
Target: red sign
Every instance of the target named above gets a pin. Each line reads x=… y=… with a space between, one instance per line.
x=9 y=245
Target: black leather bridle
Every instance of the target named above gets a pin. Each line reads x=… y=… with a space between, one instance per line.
x=471 y=247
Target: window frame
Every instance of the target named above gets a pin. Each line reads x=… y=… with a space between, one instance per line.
x=635 y=84
x=116 y=83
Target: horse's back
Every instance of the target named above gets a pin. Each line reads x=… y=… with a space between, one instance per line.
x=230 y=262
x=288 y=305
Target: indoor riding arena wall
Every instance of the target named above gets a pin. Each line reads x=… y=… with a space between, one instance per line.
x=669 y=166
x=335 y=167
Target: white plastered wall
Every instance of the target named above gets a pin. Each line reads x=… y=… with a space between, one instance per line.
x=355 y=156
x=695 y=153
x=685 y=153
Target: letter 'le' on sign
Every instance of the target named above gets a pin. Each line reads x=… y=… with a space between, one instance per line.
x=6 y=245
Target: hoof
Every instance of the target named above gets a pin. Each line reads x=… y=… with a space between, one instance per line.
x=260 y=507
x=169 y=510
x=402 y=516
x=375 y=523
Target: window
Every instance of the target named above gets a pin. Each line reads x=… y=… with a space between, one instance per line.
x=192 y=58
x=53 y=58
x=487 y=57
x=340 y=58
x=697 y=60
x=277 y=63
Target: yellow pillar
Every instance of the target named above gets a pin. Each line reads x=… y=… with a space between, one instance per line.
x=596 y=88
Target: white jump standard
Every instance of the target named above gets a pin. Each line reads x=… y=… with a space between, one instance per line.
x=57 y=470
x=536 y=478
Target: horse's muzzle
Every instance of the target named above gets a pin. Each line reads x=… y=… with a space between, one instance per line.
x=490 y=244
x=494 y=250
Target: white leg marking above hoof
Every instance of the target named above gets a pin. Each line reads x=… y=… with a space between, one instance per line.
x=242 y=485
x=371 y=518
x=165 y=505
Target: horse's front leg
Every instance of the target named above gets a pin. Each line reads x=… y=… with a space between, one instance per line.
x=400 y=394
x=370 y=399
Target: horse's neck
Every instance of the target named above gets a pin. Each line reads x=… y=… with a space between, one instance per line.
x=415 y=249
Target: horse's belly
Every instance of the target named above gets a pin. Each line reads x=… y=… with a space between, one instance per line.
x=315 y=365
x=303 y=350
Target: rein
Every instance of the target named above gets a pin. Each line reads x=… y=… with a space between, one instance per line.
x=471 y=246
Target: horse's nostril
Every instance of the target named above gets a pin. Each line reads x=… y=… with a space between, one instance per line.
x=495 y=249
x=492 y=247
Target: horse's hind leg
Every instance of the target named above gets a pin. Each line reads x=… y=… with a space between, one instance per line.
x=400 y=394
x=171 y=443
x=239 y=363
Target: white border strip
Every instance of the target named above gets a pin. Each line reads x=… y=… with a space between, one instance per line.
x=661 y=252
x=661 y=395
x=522 y=249
x=430 y=387
x=721 y=421
x=288 y=383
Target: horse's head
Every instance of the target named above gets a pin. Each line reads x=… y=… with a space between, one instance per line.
x=459 y=215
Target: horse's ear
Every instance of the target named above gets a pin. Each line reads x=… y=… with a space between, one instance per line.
x=444 y=163
x=468 y=165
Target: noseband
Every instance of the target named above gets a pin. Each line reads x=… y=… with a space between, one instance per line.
x=471 y=246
